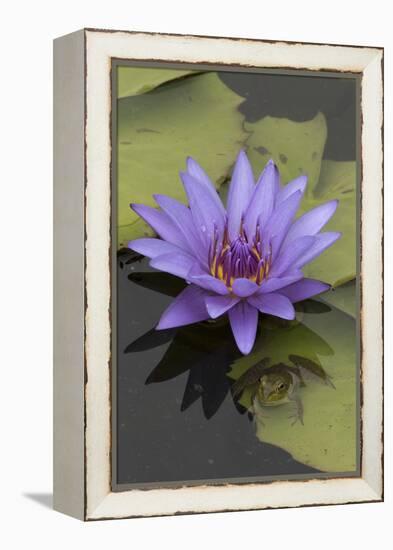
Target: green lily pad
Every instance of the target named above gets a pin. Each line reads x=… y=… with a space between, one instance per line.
x=328 y=439
x=337 y=265
x=197 y=117
x=278 y=339
x=343 y=297
x=139 y=80
x=139 y=228
x=296 y=147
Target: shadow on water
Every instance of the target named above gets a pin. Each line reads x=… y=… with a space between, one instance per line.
x=205 y=352
x=267 y=95
x=176 y=415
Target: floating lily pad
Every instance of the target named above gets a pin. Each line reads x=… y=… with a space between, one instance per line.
x=296 y=147
x=197 y=117
x=343 y=297
x=337 y=265
x=139 y=80
x=278 y=339
x=138 y=228
x=327 y=440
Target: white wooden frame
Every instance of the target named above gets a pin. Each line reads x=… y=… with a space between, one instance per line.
x=82 y=469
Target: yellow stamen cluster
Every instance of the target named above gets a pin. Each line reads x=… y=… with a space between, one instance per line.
x=238 y=259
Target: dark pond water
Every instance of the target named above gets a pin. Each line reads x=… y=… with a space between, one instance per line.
x=175 y=413
x=300 y=99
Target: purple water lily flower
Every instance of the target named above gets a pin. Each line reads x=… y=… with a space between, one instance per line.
x=243 y=260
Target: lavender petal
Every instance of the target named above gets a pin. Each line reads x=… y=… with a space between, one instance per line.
x=153 y=247
x=275 y=283
x=177 y=264
x=197 y=172
x=281 y=220
x=182 y=218
x=239 y=194
x=244 y=320
x=244 y=287
x=311 y=222
x=218 y=305
x=322 y=242
x=288 y=256
x=298 y=184
x=262 y=200
x=162 y=224
x=208 y=217
x=274 y=304
x=187 y=308
x=199 y=277
x=304 y=289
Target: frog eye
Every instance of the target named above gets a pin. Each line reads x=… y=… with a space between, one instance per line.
x=280 y=386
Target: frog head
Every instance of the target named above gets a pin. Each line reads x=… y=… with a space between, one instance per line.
x=274 y=387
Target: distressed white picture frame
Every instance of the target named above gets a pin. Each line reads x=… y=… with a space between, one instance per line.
x=82 y=248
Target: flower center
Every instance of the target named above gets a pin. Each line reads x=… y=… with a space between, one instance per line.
x=239 y=258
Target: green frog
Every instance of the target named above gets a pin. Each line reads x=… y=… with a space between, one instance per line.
x=278 y=384
x=272 y=386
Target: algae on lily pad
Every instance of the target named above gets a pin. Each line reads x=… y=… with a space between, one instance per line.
x=157 y=131
x=296 y=147
x=328 y=439
x=139 y=80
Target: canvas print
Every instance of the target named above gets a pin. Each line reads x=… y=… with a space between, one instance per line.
x=235 y=345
